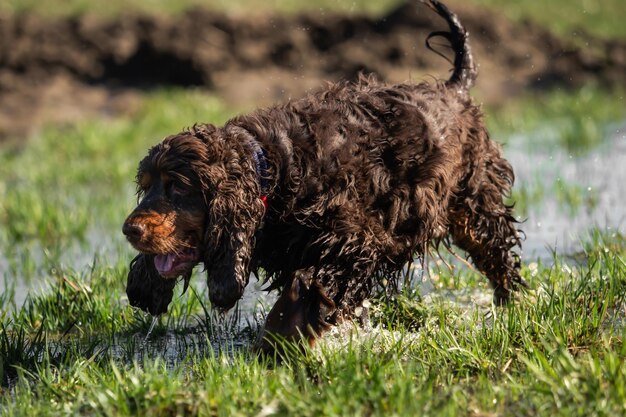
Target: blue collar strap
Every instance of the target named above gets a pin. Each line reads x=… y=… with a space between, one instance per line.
x=260 y=163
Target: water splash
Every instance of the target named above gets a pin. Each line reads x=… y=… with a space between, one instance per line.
x=154 y=322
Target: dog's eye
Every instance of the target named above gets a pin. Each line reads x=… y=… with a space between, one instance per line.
x=143 y=185
x=176 y=190
x=142 y=189
x=144 y=181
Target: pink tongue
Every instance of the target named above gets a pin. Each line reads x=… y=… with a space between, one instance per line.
x=164 y=263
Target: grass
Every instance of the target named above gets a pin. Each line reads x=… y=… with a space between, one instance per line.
x=567 y=17
x=558 y=351
x=576 y=121
x=563 y=16
x=570 y=198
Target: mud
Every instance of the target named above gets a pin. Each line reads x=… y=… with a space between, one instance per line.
x=61 y=70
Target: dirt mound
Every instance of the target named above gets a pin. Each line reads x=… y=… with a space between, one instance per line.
x=57 y=70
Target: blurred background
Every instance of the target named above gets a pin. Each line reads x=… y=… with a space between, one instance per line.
x=87 y=86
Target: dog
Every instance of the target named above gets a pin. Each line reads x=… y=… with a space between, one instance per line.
x=328 y=196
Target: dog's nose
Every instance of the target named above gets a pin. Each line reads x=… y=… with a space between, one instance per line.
x=133 y=231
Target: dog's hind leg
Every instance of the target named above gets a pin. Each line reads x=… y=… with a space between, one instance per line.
x=481 y=224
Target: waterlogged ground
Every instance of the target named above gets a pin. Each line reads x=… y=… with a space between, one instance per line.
x=565 y=194
x=69 y=343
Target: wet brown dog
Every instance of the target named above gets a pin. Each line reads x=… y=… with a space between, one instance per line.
x=327 y=195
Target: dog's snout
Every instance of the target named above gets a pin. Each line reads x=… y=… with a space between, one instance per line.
x=133 y=231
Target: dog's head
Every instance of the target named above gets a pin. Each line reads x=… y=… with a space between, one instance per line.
x=198 y=202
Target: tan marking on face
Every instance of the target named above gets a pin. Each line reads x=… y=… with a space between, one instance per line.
x=160 y=225
x=159 y=234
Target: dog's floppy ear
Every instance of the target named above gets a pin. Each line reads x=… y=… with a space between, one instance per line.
x=146 y=289
x=234 y=214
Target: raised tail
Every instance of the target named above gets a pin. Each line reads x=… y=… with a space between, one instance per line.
x=465 y=71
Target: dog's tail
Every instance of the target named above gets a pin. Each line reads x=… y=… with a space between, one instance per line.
x=465 y=71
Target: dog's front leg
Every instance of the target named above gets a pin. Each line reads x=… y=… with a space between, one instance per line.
x=299 y=314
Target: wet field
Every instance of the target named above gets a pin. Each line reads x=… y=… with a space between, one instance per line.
x=76 y=117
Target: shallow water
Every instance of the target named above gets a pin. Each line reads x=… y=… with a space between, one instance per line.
x=98 y=247
x=174 y=347
x=598 y=179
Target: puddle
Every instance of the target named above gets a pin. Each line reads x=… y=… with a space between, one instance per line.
x=35 y=265
x=597 y=179
x=173 y=347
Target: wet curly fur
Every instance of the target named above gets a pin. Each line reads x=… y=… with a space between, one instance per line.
x=361 y=177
